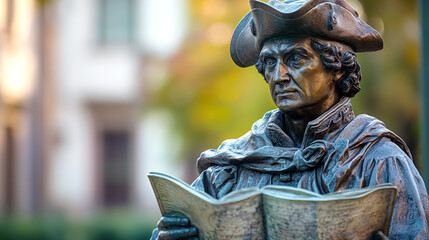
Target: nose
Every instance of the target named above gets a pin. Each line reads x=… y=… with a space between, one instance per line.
x=282 y=73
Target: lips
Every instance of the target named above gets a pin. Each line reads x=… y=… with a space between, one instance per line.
x=286 y=93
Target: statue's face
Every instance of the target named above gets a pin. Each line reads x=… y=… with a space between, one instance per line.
x=296 y=76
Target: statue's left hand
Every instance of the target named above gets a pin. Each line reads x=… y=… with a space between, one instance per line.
x=172 y=227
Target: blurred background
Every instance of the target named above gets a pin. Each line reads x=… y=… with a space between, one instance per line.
x=94 y=94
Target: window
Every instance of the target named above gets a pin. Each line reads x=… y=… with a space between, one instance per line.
x=10 y=8
x=116 y=168
x=117 y=21
x=9 y=169
x=114 y=139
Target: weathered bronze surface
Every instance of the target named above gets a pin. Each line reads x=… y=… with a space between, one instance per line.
x=304 y=49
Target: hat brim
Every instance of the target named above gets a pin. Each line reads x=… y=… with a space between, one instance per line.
x=243 y=43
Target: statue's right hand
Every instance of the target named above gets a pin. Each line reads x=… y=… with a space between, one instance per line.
x=170 y=227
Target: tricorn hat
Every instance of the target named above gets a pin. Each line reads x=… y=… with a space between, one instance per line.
x=330 y=19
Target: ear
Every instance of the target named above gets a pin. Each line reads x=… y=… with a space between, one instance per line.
x=337 y=75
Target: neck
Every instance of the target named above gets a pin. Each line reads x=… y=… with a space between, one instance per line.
x=296 y=129
x=298 y=120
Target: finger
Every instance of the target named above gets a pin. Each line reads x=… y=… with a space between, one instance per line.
x=154 y=234
x=168 y=222
x=379 y=236
x=177 y=233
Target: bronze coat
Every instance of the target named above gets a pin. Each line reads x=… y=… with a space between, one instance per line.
x=339 y=151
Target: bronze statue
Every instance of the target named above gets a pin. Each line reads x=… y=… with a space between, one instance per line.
x=305 y=50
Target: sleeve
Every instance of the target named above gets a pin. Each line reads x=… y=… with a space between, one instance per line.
x=217 y=180
x=411 y=213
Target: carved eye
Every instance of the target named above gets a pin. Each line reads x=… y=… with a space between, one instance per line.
x=270 y=61
x=297 y=60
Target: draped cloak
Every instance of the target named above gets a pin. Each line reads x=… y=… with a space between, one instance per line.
x=339 y=151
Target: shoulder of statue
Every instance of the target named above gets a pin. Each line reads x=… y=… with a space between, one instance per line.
x=365 y=129
x=384 y=149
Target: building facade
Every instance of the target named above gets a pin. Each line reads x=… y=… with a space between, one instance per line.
x=73 y=78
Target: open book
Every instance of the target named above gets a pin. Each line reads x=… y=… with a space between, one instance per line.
x=278 y=212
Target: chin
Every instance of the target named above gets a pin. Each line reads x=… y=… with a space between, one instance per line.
x=290 y=107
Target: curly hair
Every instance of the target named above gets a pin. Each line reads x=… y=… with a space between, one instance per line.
x=334 y=59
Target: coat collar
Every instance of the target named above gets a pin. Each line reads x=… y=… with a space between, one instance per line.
x=337 y=116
